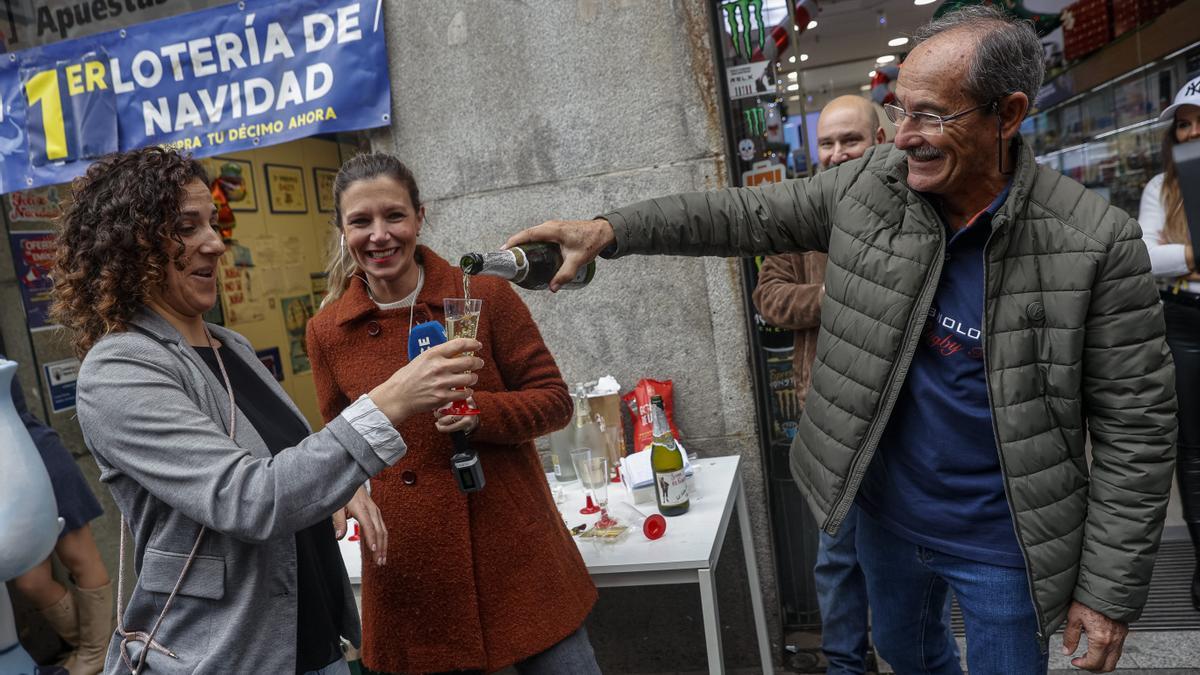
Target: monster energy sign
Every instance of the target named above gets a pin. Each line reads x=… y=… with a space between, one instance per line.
x=756 y=121
x=739 y=16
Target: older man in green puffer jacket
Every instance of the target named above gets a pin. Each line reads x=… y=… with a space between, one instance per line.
x=983 y=315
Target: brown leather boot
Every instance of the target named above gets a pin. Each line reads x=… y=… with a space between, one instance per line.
x=63 y=619
x=95 y=607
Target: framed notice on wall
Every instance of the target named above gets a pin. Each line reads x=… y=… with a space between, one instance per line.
x=236 y=178
x=323 y=182
x=285 y=188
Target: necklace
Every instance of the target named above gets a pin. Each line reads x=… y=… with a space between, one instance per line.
x=212 y=343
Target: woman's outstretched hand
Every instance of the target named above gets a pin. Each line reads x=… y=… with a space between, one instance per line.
x=433 y=380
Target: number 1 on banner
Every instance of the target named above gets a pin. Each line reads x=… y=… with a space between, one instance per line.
x=43 y=88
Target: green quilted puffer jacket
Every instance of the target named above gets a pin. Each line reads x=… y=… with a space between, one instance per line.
x=1073 y=345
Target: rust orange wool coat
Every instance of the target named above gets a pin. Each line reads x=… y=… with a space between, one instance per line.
x=476 y=581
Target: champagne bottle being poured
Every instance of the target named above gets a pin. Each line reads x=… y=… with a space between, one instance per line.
x=530 y=266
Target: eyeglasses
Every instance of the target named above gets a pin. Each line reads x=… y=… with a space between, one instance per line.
x=928 y=124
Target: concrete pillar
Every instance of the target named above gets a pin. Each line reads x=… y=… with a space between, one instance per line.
x=512 y=113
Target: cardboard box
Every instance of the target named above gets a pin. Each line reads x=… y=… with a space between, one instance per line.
x=1130 y=14
x=1086 y=28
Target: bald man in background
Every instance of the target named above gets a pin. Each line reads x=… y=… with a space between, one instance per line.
x=789 y=292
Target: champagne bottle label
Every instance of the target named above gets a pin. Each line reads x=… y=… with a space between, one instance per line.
x=672 y=487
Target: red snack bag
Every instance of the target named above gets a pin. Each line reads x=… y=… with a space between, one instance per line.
x=638 y=404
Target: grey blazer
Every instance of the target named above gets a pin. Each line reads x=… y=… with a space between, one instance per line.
x=156 y=418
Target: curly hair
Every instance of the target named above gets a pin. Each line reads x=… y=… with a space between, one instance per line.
x=112 y=239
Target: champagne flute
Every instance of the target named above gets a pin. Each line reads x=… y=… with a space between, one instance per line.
x=593 y=474
x=597 y=471
x=579 y=461
x=462 y=321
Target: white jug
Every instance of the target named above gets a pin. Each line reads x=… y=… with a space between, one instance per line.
x=29 y=522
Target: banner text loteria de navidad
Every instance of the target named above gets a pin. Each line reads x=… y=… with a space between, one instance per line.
x=230 y=78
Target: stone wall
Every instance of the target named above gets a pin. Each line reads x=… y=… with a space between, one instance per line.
x=512 y=113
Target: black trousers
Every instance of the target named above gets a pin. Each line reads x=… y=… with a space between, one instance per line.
x=1183 y=337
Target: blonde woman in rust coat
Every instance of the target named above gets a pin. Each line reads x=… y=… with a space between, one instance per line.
x=472 y=582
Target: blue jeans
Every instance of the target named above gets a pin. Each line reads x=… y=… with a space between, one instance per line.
x=339 y=667
x=842 y=596
x=573 y=654
x=908 y=585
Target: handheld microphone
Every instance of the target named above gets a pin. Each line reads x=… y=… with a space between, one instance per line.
x=465 y=463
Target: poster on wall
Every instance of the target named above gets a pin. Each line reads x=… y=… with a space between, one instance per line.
x=33 y=258
x=229 y=78
x=323 y=182
x=236 y=178
x=60 y=378
x=320 y=286
x=34 y=206
x=285 y=188
x=278 y=265
x=240 y=290
x=270 y=359
x=296 y=313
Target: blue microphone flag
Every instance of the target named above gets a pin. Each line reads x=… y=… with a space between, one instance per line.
x=425 y=336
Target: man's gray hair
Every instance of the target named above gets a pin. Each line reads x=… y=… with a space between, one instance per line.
x=1008 y=56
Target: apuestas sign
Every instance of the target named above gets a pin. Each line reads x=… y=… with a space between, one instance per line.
x=229 y=78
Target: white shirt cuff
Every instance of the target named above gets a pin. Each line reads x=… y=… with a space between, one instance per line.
x=376 y=429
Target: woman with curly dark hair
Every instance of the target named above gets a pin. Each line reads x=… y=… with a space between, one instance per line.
x=226 y=490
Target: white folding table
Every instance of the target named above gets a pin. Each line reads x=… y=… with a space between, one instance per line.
x=686 y=554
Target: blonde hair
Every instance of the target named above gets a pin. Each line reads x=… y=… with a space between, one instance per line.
x=1176 y=230
x=341 y=267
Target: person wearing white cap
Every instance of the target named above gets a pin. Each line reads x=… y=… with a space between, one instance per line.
x=1173 y=261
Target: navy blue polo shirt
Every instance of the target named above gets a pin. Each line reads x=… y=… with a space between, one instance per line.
x=935 y=479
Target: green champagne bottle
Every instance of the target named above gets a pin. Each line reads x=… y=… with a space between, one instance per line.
x=670 y=481
x=529 y=266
